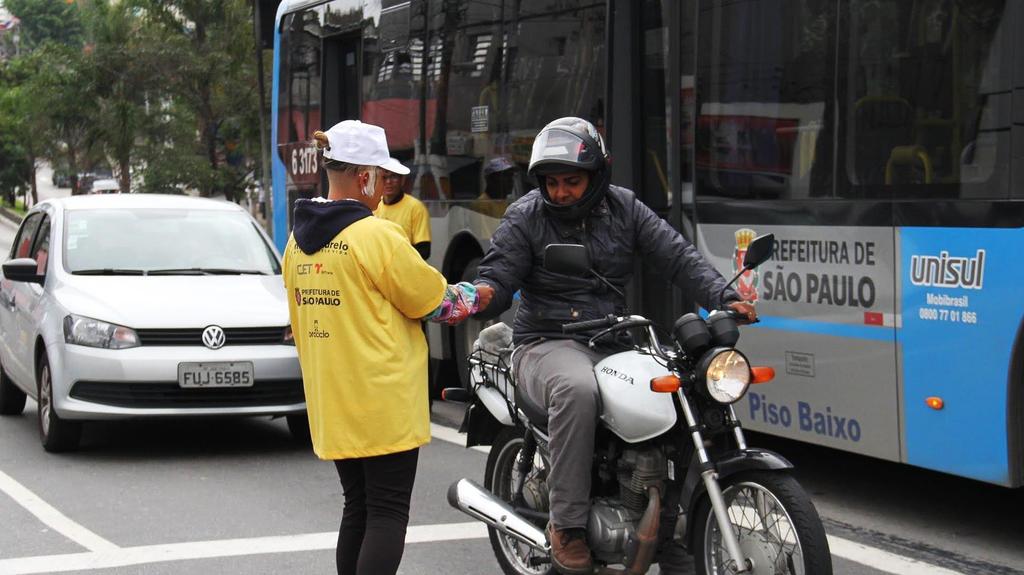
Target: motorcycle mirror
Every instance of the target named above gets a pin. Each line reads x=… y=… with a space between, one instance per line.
x=567 y=259
x=759 y=250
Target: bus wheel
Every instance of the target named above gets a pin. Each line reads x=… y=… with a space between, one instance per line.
x=465 y=334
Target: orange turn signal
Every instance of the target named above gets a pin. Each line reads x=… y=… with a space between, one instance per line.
x=935 y=403
x=665 y=384
x=762 y=374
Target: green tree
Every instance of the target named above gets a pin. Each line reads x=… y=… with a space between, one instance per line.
x=44 y=21
x=65 y=91
x=120 y=57
x=25 y=116
x=207 y=58
x=15 y=166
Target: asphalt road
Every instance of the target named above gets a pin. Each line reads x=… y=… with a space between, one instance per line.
x=238 y=496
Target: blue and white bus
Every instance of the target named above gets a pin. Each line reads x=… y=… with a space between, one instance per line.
x=879 y=140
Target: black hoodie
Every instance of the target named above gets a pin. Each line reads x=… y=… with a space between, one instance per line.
x=316 y=223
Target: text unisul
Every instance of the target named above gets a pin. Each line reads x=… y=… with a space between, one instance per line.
x=948 y=272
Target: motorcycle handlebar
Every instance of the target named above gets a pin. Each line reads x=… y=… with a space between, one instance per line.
x=739 y=317
x=590 y=324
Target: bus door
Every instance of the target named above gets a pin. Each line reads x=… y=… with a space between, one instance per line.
x=340 y=85
x=651 y=165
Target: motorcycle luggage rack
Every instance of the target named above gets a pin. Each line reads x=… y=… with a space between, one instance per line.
x=494 y=371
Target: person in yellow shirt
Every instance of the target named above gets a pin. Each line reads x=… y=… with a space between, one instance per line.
x=357 y=290
x=405 y=210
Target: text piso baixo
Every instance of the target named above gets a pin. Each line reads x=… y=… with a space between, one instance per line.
x=806 y=418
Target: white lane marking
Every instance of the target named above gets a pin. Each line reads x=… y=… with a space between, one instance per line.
x=104 y=554
x=51 y=517
x=883 y=560
x=128 y=556
x=452 y=435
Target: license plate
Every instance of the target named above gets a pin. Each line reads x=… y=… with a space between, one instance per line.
x=220 y=374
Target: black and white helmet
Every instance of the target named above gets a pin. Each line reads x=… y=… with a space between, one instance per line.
x=566 y=145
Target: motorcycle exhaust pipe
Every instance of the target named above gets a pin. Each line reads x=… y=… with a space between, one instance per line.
x=467 y=496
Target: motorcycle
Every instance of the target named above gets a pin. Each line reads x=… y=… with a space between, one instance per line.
x=671 y=468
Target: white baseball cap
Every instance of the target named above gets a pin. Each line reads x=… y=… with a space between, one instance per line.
x=354 y=142
x=393 y=165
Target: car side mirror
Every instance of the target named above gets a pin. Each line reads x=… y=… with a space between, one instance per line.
x=23 y=270
x=759 y=251
x=567 y=259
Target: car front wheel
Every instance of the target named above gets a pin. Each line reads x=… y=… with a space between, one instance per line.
x=56 y=434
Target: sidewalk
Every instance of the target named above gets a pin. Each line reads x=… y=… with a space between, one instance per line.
x=10 y=215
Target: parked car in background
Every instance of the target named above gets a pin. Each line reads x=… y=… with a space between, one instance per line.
x=105 y=186
x=126 y=306
x=61 y=178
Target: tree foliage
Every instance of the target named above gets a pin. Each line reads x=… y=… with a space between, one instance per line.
x=47 y=21
x=162 y=90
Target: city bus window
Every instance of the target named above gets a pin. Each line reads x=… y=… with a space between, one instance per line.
x=391 y=80
x=765 y=89
x=927 y=105
x=461 y=76
x=493 y=75
x=557 y=68
x=299 y=104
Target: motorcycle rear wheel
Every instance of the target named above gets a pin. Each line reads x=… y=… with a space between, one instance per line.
x=499 y=477
x=778 y=528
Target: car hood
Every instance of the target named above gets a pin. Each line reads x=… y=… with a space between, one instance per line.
x=177 y=301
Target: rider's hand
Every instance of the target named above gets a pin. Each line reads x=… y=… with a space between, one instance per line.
x=484 y=293
x=745 y=308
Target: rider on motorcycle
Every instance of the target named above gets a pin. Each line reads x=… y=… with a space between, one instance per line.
x=576 y=204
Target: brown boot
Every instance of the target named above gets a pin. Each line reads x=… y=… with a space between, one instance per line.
x=569 y=551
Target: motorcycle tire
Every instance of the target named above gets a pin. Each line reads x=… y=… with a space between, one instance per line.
x=498 y=480
x=797 y=524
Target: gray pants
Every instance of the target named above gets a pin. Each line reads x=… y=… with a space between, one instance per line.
x=558 y=374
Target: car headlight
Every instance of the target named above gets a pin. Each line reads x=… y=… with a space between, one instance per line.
x=95 y=333
x=727 y=375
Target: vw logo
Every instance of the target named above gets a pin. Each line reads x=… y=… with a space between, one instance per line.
x=213 y=337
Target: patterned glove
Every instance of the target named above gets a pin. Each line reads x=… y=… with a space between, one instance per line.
x=460 y=301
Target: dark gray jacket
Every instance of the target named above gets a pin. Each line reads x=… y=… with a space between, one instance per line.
x=616 y=232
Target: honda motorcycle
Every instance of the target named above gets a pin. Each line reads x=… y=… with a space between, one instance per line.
x=671 y=466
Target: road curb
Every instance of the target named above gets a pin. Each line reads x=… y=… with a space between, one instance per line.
x=10 y=215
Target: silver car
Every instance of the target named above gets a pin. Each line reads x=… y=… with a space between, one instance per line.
x=124 y=306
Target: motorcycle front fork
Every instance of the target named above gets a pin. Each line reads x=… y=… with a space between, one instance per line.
x=710 y=477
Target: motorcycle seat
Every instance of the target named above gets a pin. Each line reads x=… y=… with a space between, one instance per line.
x=537 y=415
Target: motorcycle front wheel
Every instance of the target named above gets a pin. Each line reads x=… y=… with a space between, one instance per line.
x=778 y=528
x=499 y=477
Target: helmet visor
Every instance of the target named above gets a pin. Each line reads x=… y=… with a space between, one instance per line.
x=561 y=147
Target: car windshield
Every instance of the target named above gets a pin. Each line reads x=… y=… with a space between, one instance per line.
x=165 y=242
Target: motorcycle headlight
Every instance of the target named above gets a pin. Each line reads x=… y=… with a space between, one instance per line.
x=95 y=333
x=727 y=375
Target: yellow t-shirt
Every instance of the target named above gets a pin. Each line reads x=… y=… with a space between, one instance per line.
x=355 y=307
x=410 y=214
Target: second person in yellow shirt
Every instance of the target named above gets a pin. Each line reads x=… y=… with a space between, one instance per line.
x=406 y=211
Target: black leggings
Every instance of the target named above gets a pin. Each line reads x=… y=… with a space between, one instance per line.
x=377 y=493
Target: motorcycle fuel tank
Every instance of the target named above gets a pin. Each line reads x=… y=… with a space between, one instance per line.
x=629 y=408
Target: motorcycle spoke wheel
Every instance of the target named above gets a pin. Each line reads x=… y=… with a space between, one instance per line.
x=766 y=532
x=514 y=555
